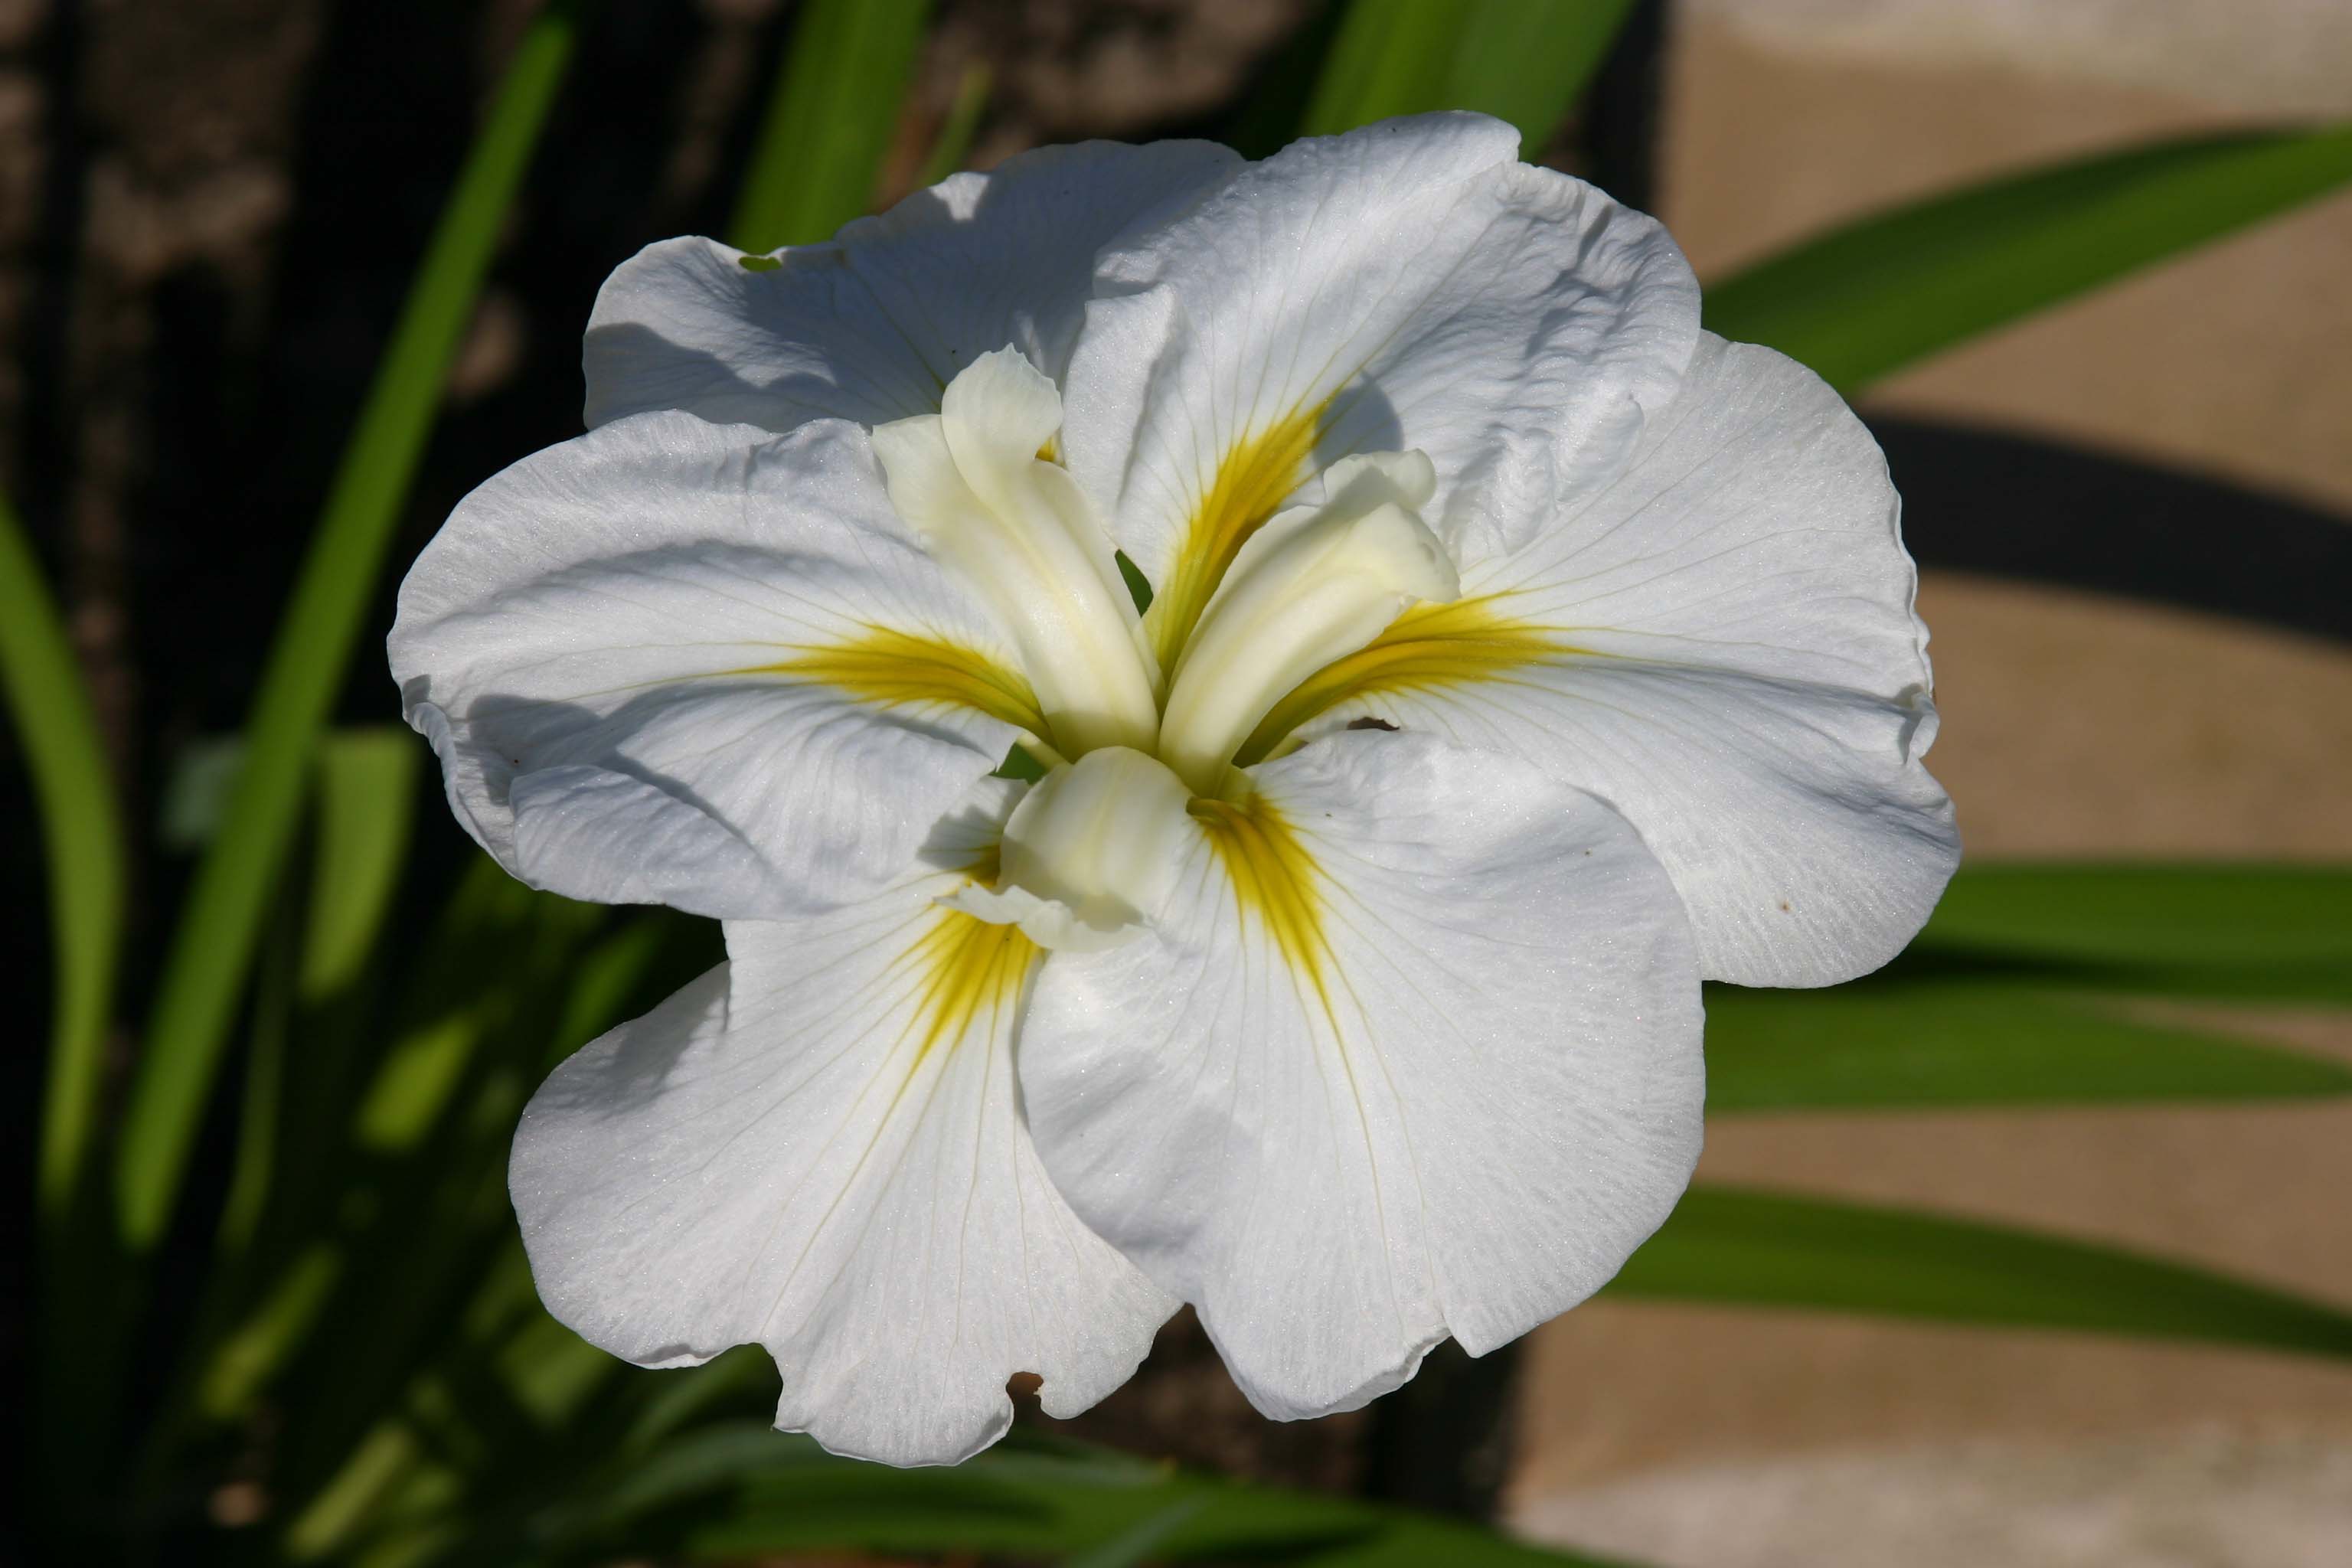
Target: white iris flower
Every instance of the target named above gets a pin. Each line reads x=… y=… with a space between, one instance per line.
x=1518 y=655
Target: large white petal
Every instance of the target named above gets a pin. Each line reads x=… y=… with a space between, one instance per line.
x=819 y=1148
x=1722 y=646
x=1447 y=1087
x=1410 y=285
x=872 y=324
x=692 y=664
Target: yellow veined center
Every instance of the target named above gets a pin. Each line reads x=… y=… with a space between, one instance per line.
x=1312 y=584
x=965 y=969
x=1249 y=485
x=1022 y=537
x=1428 y=648
x=1273 y=881
x=896 y=669
x=1269 y=617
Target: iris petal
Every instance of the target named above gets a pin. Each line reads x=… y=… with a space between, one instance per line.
x=1410 y=1049
x=1408 y=286
x=693 y=664
x=1722 y=646
x=818 y=1148
x=873 y=324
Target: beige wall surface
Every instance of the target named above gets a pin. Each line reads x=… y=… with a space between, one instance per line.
x=2071 y=725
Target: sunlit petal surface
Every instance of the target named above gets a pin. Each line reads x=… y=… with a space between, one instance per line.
x=818 y=1148
x=873 y=324
x=1413 y=1050
x=697 y=665
x=1408 y=285
x=1722 y=646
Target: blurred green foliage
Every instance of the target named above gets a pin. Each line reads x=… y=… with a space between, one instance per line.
x=365 y=1207
x=829 y=124
x=1519 y=61
x=204 y=972
x=1863 y=301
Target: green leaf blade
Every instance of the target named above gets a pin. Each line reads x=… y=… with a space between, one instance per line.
x=1528 y=62
x=1863 y=301
x=81 y=830
x=953 y=143
x=367 y=804
x=1388 y=59
x=1107 y=1508
x=829 y=124
x=212 y=950
x=2252 y=931
x=2047 y=984
x=1521 y=60
x=1742 y=1247
x=1885 y=1044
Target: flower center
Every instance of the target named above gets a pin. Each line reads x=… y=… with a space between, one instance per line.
x=1021 y=533
x=1090 y=850
x=1086 y=850
x=1313 y=584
